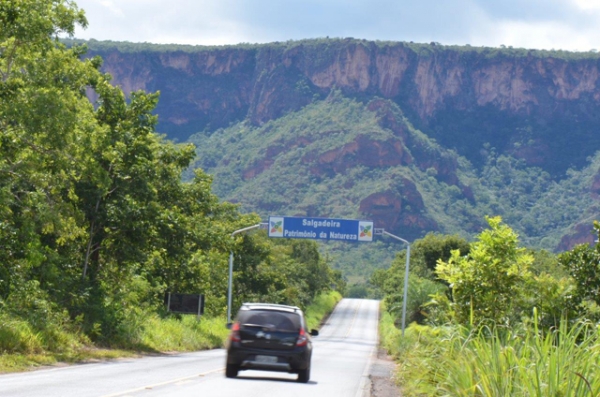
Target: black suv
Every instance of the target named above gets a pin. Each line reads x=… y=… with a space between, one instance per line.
x=269 y=337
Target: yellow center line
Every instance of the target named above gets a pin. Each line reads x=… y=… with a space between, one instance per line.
x=353 y=320
x=122 y=393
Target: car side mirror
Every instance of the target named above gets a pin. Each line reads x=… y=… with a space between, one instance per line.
x=314 y=332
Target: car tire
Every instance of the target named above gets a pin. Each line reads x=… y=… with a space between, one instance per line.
x=231 y=370
x=304 y=375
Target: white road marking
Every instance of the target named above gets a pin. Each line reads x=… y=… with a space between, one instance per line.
x=168 y=382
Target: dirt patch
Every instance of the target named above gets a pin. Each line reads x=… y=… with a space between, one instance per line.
x=381 y=376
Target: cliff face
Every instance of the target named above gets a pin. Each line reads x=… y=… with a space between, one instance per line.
x=540 y=107
x=518 y=101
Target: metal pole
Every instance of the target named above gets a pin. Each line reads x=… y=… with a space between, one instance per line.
x=405 y=289
x=229 y=287
x=405 y=277
x=199 y=305
x=231 y=268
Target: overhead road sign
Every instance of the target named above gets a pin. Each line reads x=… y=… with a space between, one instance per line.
x=351 y=230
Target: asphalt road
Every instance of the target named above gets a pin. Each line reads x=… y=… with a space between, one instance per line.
x=342 y=356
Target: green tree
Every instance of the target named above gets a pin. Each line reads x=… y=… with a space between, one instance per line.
x=426 y=252
x=487 y=284
x=423 y=283
x=583 y=264
x=43 y=116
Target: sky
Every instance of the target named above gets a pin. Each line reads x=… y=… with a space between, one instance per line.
x=572 y=25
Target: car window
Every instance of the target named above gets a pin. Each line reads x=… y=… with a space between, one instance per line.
x=270 y=319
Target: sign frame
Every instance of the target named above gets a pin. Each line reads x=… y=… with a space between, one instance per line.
x=330 y=229
x=185 y=303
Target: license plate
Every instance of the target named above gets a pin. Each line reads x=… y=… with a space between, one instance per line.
x=266 y=359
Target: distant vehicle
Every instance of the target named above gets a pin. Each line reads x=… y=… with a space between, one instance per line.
x=269 y=337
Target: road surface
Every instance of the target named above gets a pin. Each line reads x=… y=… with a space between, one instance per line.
x=342 y=355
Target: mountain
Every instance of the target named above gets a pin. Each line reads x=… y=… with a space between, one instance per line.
x=417 y=137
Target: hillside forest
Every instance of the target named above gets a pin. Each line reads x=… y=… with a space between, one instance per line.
x=96 y=221
x=417 y=137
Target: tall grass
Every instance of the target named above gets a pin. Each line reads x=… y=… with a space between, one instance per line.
x=183 y=334
x=18 y=335
x=23 y=345
x=320 y=308
x=454 y=361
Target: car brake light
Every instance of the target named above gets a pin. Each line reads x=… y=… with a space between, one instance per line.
x=235 y=333
x=302 y=338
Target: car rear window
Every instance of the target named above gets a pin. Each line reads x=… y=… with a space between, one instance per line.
x=275 y=320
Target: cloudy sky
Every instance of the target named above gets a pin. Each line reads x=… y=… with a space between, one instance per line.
x=549 y=24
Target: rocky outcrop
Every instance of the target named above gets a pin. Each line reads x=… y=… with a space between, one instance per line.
x=361 y=151
x=207 y=88
x=398 y=209
x=581 y=234
x=540 y=107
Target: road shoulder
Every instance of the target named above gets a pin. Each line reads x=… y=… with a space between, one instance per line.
x=381 y=376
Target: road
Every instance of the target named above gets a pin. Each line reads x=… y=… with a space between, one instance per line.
x=342 y=354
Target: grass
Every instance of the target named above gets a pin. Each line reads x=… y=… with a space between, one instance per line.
x=320 y=308
x=24 y=348
x=18 y=362
x=454 y=361
x=185 y=334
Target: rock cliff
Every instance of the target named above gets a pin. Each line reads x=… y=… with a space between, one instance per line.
x=464 y=97
x=540 y=107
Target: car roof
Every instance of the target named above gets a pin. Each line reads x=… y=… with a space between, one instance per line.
x=270 y=306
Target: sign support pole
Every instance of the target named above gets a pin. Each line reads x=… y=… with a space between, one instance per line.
x=382 y=231
x=229 y=287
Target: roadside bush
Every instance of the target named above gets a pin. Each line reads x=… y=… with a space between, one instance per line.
x=521 y=362
x=488 y=284
x=30 y=323
x=420 y=294
x=17 y=336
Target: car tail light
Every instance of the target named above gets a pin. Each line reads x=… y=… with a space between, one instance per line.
x=302 y=338
x=235 y=333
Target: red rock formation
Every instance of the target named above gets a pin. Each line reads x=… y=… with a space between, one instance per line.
x=552 y=93
x=362 y=151
x=398 y=210
x=582 y=234
x=220 y=85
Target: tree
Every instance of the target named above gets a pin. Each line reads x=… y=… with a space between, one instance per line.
x=583 y=264
x=487 y=284
x=43 y=115
x=95 y=218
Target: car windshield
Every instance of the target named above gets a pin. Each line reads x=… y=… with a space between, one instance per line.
x=276 y=321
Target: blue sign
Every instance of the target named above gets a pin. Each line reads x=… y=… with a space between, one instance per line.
x=320 y=228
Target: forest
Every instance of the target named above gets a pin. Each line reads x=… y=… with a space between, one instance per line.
x=96 y=221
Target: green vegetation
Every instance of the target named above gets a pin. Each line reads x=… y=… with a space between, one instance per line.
x=455 y=361
x=24 y=347
x=322 y=306
x=96 y=223
x=324 y=42
x=501 y=320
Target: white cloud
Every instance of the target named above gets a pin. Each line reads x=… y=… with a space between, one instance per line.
x=539 y=35
x=587 y=4
x=112 y=7
x=558 y=24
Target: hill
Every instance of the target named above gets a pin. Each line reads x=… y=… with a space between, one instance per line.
x=418 y=137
